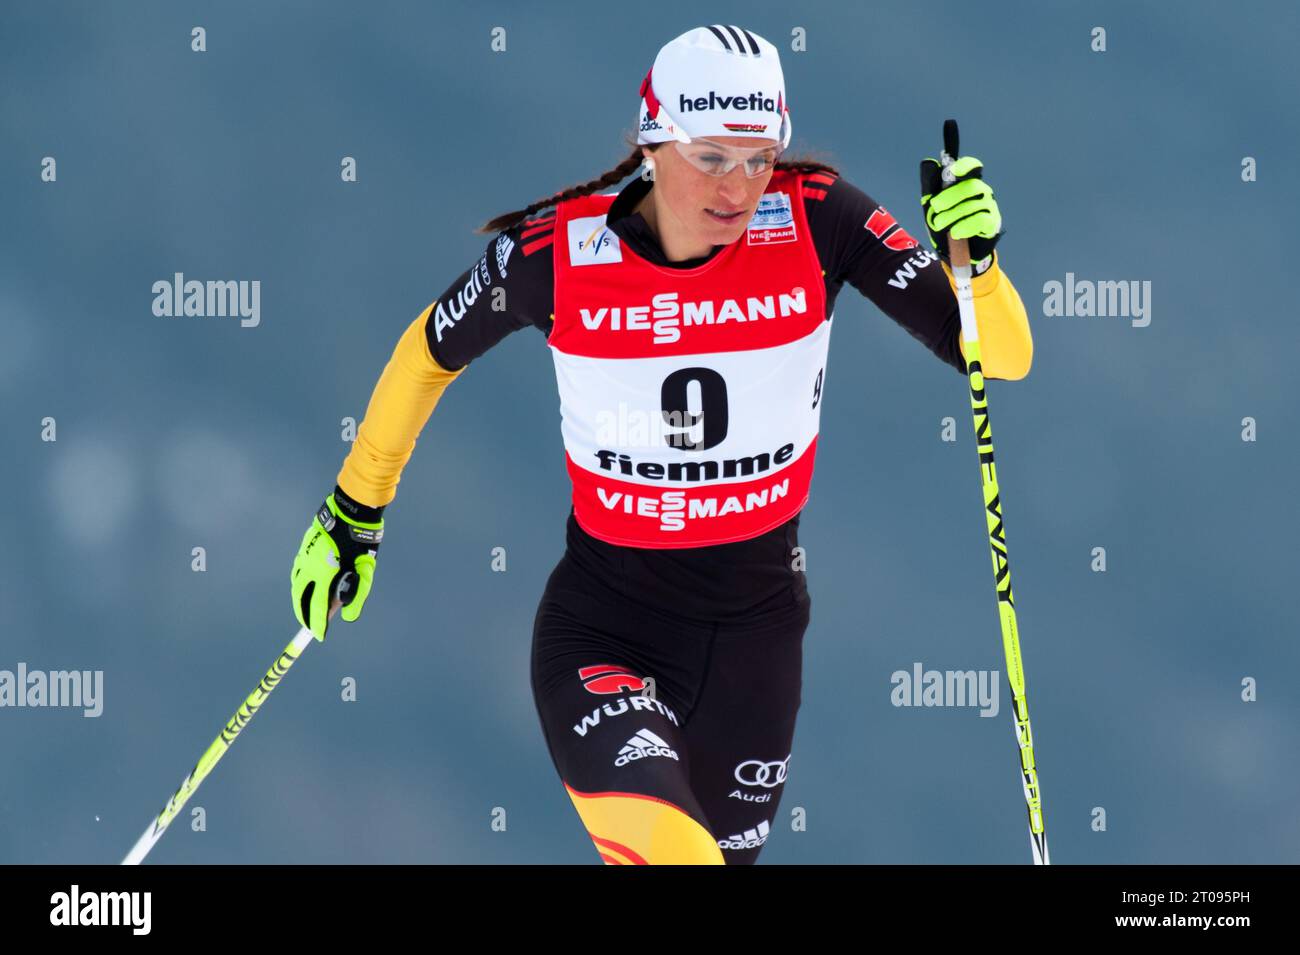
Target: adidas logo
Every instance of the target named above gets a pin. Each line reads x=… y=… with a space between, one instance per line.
x=643 y=744
x=749 y=839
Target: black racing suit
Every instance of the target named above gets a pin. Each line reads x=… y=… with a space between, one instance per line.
x=692 y=653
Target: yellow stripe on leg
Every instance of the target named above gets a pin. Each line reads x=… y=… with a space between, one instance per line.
x=631 y=829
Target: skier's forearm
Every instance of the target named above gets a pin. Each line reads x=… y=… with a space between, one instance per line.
x=1006 y=345
x=403 y=399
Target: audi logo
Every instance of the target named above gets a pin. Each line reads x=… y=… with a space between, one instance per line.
x=754 y=772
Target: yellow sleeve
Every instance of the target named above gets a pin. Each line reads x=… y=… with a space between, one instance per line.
x=403 y=399
x=1006 y=346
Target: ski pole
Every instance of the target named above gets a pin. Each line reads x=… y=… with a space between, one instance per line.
x=234 y=726
x=959 y=258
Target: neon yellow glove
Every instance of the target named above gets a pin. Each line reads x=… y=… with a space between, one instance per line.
x=966 y=209
x=335 y=548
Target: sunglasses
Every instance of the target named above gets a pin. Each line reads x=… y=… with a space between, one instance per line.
x=715 y=159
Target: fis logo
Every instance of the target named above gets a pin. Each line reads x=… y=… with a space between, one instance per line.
x=592 y=243
x=642 y=746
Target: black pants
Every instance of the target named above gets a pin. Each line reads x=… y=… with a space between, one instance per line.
x=671 y=733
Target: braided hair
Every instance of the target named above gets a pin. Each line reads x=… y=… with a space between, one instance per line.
x=508 y=220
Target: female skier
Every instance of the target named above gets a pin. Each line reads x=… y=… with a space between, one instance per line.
x=688 y=316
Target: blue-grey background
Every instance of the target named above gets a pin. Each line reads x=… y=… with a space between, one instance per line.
x=176 y=433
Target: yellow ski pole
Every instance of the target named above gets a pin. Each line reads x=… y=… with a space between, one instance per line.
x=959 y=259
x=234 y=726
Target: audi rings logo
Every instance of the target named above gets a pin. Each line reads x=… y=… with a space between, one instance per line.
x=754 y=772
